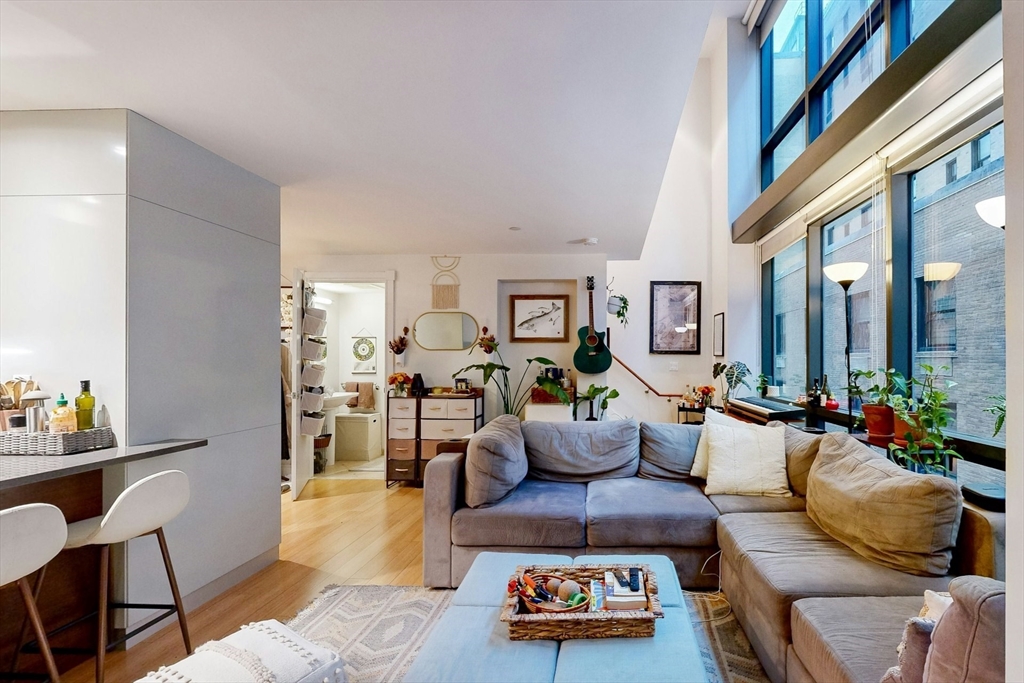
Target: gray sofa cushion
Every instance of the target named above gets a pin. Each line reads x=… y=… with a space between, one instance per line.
x=801 y=450
x=728 y=503
x=582 y=451
x=667 y=450
x=537 y=514
x=495 y=461
x=641 y=512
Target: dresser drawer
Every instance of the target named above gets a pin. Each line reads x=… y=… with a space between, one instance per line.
x=461 y=409
x=401 y=449
x=401 y=470
x=402 y=429
x=428 y=449
x=434 y=408
x=446 y=429
x=402 y=407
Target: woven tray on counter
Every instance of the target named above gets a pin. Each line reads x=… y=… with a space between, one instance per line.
x=583 y=625
x=45 y=443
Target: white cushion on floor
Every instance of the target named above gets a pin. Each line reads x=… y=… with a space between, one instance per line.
x=260 y=652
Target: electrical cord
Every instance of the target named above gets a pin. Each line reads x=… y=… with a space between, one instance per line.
x=711 y=599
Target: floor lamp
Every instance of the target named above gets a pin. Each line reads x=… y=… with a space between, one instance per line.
x=844 y=275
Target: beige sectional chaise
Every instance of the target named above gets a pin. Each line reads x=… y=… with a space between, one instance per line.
x=780 y=570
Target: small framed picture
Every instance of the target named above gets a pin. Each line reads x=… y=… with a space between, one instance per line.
x=719 y=328
x=675 y=317
x=539 y=317
x=463 y=384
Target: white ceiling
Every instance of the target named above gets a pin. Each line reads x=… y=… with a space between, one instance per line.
x=399 y=127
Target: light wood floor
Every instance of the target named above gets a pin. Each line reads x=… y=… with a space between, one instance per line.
x=338 y=532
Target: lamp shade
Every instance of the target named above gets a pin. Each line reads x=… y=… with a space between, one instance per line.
x=937 y=272
x=993 y=211
x=847 y=272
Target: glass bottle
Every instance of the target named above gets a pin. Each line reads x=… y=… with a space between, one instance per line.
x=85 y=407
x=825 y=391
x=63 y=419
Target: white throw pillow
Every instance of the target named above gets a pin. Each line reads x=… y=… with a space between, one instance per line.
x=748 y=461
x=935 y=604
x=700 y=459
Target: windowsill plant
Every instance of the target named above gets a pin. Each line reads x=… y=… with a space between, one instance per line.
x=878 y=399
x=920 y=441
x=731 y=375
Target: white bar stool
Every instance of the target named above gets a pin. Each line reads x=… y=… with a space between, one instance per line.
x=31 y=536
x=142 y=509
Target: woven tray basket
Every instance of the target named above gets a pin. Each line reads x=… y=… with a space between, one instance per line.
x=583 y=625
x=44 y=443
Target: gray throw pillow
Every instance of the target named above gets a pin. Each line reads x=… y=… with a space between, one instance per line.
x=582 y=451
x=801 y=450
x=495 y=462
x=667 y=450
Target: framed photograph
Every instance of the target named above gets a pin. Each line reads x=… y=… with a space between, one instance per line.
x=718 y=348
x=364 y=350
x=539 y=317
x=675 y=317
x=463 y=385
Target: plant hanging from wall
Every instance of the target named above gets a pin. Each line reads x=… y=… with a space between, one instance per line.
x=512 y=401
x=618 y=305
x=399 y=344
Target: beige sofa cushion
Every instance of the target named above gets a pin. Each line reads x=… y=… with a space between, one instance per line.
x=700 y=458
x=801 y=449
x=896 y=518
x=747 y=462
x=850 y=640
x=969 y=642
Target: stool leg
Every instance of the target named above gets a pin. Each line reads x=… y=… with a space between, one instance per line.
x=27 y=623
x=174 y=589
x=37 y=625
x=101 y=645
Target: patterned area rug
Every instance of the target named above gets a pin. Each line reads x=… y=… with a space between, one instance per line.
x=379 y=630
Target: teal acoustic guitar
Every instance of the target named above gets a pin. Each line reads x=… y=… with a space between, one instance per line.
x=592 y=357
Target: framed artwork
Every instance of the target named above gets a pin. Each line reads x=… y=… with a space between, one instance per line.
x=539 y=317
x=364 y=349
x=675 y=317
x=719 y=329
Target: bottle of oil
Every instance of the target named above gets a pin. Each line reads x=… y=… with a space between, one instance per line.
x=63 y=419
x=85 y=407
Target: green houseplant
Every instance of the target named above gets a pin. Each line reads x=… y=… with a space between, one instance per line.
x=597 y=396
x=762 y=385
x=920 y=441
x=998 y=408
x=731 y=375
x=877 y=400
x=618 y=305
x=512 y=402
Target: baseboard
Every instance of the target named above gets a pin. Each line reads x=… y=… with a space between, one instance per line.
x=211 y=590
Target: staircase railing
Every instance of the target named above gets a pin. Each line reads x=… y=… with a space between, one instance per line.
x=643 y=381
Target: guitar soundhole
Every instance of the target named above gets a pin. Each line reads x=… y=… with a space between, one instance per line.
x=592 y=340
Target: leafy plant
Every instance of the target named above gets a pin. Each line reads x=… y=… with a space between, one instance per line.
x=623 y=309
x=762 y=384
x=598 y=396
x=512 y=402
x=998 y=408
x=891 y=383
x=732 y=376
x=928 y=416
x=399 y=344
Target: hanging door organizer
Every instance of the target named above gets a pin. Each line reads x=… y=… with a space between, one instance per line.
x=314 y=350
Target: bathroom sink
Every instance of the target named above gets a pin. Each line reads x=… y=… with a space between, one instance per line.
x=338 y=398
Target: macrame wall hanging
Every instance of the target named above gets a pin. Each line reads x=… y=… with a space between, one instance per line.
x=445 y=285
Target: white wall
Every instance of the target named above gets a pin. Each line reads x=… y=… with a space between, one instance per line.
x=480 y=275
x=1013 y=102
x=362 y=314
x=203 y=359
x=690 y=236
x=62 y=253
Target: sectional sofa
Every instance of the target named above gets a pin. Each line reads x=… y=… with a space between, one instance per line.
x=626 y=488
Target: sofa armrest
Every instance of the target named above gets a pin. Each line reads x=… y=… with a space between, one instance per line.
x=981 y=543
x=442 y=481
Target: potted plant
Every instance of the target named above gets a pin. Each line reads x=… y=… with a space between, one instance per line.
x=762 y=385
x=877 y=400
x=400 y=381
x=618 y=305
x=732 y=375
x=998 y=408
x=512 y=401
x=921 y=441
x=598 y=396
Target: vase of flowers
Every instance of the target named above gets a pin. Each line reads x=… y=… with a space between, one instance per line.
x=398 y=347
x=705 y=395
x=400 y=382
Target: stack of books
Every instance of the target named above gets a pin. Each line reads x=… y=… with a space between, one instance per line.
x=609 y=595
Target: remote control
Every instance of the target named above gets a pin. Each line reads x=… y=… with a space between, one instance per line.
x=620 y=577
x=634 y=579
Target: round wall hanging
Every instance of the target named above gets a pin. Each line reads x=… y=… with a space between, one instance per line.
x=363 y=349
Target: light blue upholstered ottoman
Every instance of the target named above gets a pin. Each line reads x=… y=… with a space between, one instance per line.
x=470 y=644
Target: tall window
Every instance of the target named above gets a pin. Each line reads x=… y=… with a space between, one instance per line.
x=923 y=13
x=789 y=300
x=857 y=75
x=838 y=17
x=857 y=235
x=788 y=55
x=958 y=277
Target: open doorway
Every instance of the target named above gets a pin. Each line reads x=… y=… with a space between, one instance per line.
x=351 y=445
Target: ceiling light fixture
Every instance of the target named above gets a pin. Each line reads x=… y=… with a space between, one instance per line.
x=940 y=271
x=993 y=211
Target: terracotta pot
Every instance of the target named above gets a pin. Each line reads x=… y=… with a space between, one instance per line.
x=879 y=419
x=902 y=427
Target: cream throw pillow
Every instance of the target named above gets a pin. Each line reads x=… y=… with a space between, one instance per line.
x=747 y=462
x=700 y=460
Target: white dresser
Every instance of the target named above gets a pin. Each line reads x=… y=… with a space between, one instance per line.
x=416 y=427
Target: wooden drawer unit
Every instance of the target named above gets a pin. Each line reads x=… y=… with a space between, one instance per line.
x=428 y=449
x=401 y=449
x=462 y=410
x=446 y=429
x=402 y=470
x=401 y=429
x=434 y=409
x=402 y=408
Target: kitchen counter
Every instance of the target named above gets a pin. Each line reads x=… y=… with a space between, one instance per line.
x=18 y=470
